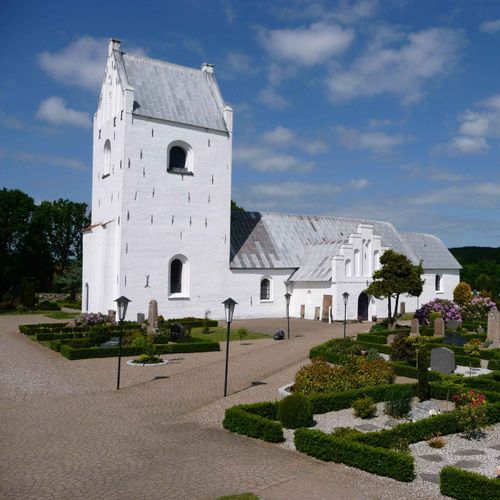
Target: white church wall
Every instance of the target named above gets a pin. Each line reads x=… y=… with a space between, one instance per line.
x=310 y=295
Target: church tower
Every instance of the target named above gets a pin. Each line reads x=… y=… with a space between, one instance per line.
x=161 y=188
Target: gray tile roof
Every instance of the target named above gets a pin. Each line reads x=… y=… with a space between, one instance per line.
x=170 y=92
x=431 y=250
x=262 y=240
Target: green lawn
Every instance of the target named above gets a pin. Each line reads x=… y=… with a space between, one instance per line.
x=243 y=496
x=50 y=314
x=219 y=334
x=61 y=314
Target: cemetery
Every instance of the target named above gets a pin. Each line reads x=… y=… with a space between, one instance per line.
x=417 y=404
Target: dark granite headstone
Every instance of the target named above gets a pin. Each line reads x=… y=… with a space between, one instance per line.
x=279 y=334
x=443 y=360
x=455 y=338
x=177 y=332
x=453 y=325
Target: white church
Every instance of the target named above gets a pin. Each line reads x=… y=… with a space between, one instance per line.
x=162 y=226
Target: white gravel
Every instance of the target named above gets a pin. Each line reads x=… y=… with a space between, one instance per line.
x=477 y=455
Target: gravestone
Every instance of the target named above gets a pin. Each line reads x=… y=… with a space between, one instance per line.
x=453 y=325
x=402 y=308
x=443 y=360
x=494 y=327
x=152 y=317
x=112 y=342
x=112 y=315
x=439 y=327
x=391 y=338
x=141 y=318
x=415 y=328
x=480 y=330
x=455 y=338
x=279 y=334
x=316 y=312
x=177 y=332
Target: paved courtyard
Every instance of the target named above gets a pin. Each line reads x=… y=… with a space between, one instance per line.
x=66 y=433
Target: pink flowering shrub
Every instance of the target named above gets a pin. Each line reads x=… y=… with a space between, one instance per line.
x=477 y=309
x=91 y=319
x=448 y=310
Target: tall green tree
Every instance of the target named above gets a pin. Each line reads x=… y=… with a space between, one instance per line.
x=397 y=276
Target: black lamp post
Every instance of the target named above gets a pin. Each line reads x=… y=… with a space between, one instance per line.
x=228 y=312
x=287 y=299
x=122 y=303
x=345 y=296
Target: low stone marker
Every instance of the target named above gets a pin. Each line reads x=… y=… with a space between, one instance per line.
x=141 y=317
x=494 y=327
x=480 y=330
x=453 y=325
x=439 y=327
x=152 y=317
x=391 y=338
x=415 y=328
x=112 y=342
x=402 y=308
x=112 y=315
x=443 y=360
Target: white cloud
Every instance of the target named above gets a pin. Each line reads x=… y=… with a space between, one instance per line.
x=10 y=121
x=375 y=123
x=294 y=189
x=490 y=26
x=401 y=71
x=358 y=183
x=81 y=63
x=239 y=62
x=314 y=147
x=377 y=142
x=278 y=137
x=434 y=173
x=40 y=158
x=266 y=160
x=307 y=46
x=54 y=111
x=271 y=98
x=475 y=128
x=483 y=194
x=229 y=12
x=350 y=12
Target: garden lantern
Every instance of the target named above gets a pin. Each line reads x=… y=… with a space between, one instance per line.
x=122 y=303
x=287 y=300
x=228 y=312
x=345 y=297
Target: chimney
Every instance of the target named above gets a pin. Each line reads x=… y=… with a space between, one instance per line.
x=207 y=68
x=114 y=44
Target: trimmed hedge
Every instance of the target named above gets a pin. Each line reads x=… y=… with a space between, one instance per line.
x=255 y=420
x=494 y=364
x=31 y=329
x=390 y=463
x=67 y=334
x=323 y=403
x=440 y=391
x=373 y=338
x=386 y=349
x=465 y=485
x=199 y=345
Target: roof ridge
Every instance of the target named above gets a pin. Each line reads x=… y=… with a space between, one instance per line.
x=153 y=59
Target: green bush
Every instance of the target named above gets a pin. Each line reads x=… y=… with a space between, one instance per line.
x=384 y=348
x=398 y=407
x=372 y=339
x=372 y=354
x=494 y=364
x=423 y=388
x=295 y=411
x=465 y=485
x=46 y=305
x=379 y=461
x=321 y=377
x=364 y=408
x=336 y=351
x=257 y=420
x=346 y=432
x=403 y=348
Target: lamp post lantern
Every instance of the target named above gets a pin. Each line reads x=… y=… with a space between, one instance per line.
x=345 y=297
x=122 y=303
x=287 y=300
x=228 y=312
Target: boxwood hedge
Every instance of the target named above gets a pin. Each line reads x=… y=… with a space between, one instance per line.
x=465 y=485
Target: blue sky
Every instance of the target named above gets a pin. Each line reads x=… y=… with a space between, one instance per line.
x=373 y=109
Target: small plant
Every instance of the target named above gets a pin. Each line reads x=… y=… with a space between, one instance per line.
x=206 y=319
x=472 y=349
x=295 y=411
x=402 y=444
x=372 y=354
x=403 y=348
x=242 y=334
x=147 y=359
x=144 y=342
x=364 y=408
x=437 y=441
x=423 y=361
x=346 y=432
x=399 y=407
x=90 y=319
x=470 y=406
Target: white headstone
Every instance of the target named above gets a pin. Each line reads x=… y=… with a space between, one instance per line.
x=494 y=327
x=415 y=328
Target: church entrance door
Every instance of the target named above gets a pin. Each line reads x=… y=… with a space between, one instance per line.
x=327 y=304
x=363 y=306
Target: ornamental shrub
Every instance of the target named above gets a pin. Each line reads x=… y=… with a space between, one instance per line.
x=471 y=409
x=462 y=294
x=364 y=408
x=477 y=310
x=403 y=348
x=447 y=309
x=423 y=388
x=322 y=377
x=89 y=319
x=295 y=411
x=337 y=351
x=346 y=432
x=399 y=407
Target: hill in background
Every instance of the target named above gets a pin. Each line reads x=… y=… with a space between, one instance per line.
x=471 y=255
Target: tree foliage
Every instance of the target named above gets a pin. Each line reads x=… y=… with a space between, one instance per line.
x=462 y=294
x=397 y=276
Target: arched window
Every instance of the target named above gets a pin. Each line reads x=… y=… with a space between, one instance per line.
x=438 y=283
x=107 y=158
x=357 y=264
x=86 y=297
x=376 y=260
x=179 y=277
x=176 y=276
x=348 y=267
x=265 y=289
x=177 y=158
